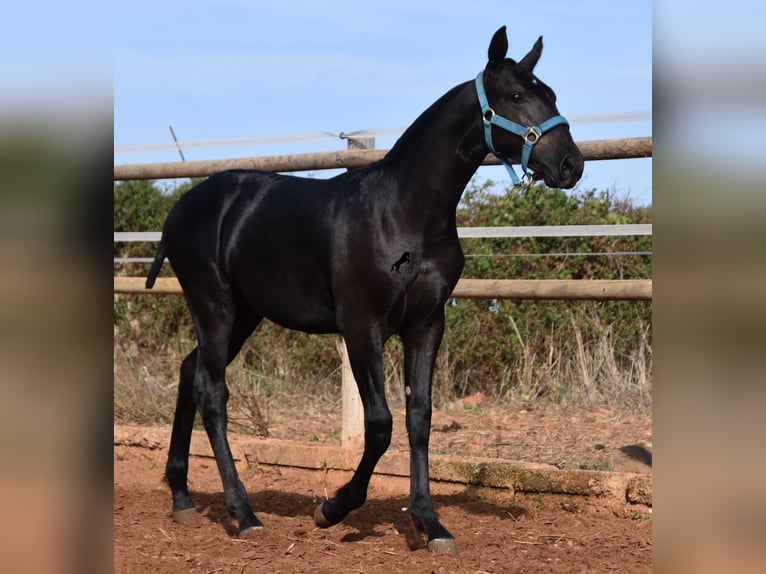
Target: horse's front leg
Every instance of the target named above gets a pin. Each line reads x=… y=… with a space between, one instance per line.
x=421 y=343
x=365 y=349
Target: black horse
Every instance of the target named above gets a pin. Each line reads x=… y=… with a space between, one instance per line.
x=317 y=255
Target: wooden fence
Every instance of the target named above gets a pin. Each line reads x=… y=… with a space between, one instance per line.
x=553 y=289
x=352 y=430
x=592 y=150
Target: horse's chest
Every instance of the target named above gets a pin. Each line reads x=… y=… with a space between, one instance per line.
x=419 y=267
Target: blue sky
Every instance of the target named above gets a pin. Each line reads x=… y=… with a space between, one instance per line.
x=227 y=69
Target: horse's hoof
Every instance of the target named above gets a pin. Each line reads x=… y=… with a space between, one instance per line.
x=185 y=516
x=251 y=532
x=319 y=518
x=443 y=546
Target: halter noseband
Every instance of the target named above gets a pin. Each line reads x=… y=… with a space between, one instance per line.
x=530 y=135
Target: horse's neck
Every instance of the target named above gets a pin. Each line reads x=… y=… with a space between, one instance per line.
x=438 y=154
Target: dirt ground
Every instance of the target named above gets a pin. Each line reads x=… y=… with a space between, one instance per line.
x=496 y=530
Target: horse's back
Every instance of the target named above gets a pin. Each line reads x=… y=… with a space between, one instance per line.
x=267 y=236
x=223 y=205
x=195 y=220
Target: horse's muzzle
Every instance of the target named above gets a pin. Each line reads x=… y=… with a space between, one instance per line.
x=569 y=172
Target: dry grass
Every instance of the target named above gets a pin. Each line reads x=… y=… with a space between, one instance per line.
x=568 y=370
x=146 y=385
x=584 y=372
x=576 y=371
x=605 y=378
x=248 y=410
x=143 y=390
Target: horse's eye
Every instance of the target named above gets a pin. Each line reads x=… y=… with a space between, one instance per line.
x=516 y=97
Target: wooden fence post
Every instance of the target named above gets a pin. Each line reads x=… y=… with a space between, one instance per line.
x=352 y=432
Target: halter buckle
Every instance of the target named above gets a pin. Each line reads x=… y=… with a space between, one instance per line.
x=488 y=115
x=532 y=135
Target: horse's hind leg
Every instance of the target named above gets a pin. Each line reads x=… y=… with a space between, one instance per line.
x=202 y=386
x=177 y=467
x=365 y=356
x=211 y=396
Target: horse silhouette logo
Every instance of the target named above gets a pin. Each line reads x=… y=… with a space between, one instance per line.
x=401 y=261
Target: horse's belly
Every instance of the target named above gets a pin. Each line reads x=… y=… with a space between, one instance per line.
x=306 y=318
x=294 y=301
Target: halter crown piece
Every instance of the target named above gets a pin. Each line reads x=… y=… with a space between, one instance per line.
x=530 y=135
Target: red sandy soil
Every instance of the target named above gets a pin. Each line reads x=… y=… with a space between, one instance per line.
x=496 y=530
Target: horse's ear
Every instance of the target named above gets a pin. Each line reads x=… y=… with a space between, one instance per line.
x=530 y=60
x=498 y=47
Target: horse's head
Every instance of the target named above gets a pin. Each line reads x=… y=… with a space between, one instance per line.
x=521 y=120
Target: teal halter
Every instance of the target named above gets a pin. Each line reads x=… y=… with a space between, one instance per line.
x=530 y=135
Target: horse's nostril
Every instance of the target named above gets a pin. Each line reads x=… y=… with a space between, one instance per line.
x=571 y=168
x=567 y=167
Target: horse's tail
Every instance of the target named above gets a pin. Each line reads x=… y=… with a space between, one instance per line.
x=159 y=259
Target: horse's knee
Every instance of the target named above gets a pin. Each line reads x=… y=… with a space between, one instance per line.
x=377 y=434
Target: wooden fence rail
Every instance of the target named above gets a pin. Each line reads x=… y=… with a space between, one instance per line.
x=624 y=148
x=571 y=289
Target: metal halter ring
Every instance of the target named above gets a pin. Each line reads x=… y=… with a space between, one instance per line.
x=532 y=135
x=527 y=179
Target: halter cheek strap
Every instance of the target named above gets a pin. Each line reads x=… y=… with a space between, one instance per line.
x=530 y=135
